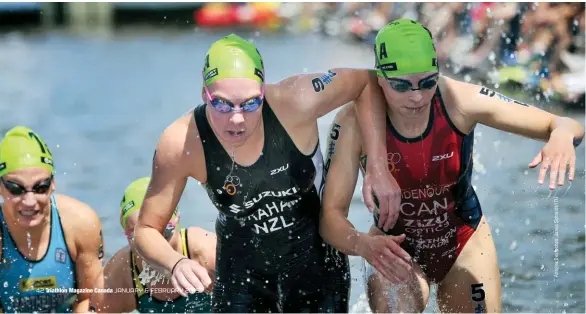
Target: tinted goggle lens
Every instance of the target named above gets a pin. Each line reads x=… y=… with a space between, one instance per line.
x=400 y=86
x=403 y=86
x=17 y=189
x=248 y=106
x=225 y=106
x=428 y=83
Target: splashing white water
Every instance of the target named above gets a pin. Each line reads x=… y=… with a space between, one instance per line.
x=151 y=275
x=29 y=243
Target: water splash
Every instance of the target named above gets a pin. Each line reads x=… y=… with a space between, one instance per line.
x=151 y=275
x=29 y=246
x=513 y=245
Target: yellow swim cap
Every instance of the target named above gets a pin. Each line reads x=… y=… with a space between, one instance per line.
x=232 y=57
x=22 y=148
x=133 y=198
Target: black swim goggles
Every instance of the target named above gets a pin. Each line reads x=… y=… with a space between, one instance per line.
x=18 y=190
x=403 y=86
x=225 y=106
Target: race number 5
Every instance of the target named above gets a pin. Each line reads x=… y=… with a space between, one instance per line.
x=335 y=133
x=478 y=294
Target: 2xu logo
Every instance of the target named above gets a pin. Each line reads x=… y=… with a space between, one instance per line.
x=280 y=169
x=442 y=157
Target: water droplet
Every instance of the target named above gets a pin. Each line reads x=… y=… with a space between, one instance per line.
x=513 y=245
x=29 y=243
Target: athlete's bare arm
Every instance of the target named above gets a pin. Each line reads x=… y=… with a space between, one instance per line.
x=478 y=104
x=341 y=169
x=179 y=155
x=176 y=157
x=471 y=104
x=342 y=164
x=314 y=95
x=117 y=277
x=82 y=227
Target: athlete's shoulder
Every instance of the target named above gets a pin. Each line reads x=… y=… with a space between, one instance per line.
x=117 y=269
x=175 y=134
x=283 y=96
x=81 y=224
x=199 y=234
x=117 y=275
x=75 y=214
x=179 y=138
x=456 y=92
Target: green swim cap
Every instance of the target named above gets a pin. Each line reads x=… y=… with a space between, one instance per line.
x=22 y=148
x=404 y=47
x=232 y=57
x=132 y=199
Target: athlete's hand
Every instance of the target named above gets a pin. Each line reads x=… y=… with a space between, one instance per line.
x=380 y=183
x=190 y=277
x=558 y=153
x=385 y=254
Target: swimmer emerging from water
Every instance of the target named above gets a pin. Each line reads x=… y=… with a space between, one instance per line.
x=48 y=241
x=254 y=147
x=430 y=133
x=124 y=271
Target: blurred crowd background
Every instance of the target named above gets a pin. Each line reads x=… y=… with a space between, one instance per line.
x=537 y=46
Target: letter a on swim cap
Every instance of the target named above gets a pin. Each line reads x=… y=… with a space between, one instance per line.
x=22 y=148
x=232 y=57
x=404 y=47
